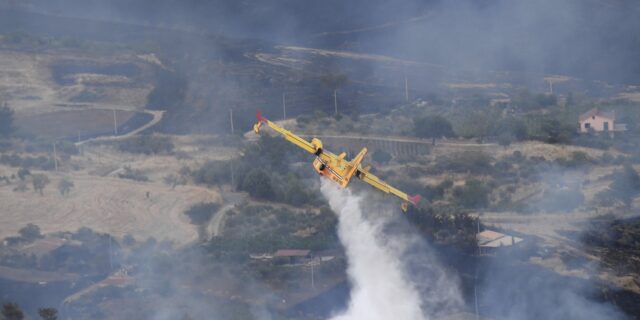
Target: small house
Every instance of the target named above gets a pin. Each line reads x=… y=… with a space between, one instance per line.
x=293 y=256
x=595 y=120
x=489 y=241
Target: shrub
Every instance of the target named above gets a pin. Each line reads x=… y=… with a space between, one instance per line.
x=297 y=194
x=213 y=172
x=505 y=139
x=12 y=311
x=555 y=132
x=468 y=161
x=147 y=144
x=30 y=232
x=133 y=174
x=15 y=160
x=6 y=121
x=258 y=184
x=23 y=173
x=201 y=213
x=64 y=186
x=433 y=127
x=39 y=181
x=473 y=195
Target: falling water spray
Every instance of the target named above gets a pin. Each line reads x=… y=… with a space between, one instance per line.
x=377 y=267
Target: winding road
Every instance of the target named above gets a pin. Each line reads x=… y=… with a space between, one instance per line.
x=216 y=224
x=156 y=114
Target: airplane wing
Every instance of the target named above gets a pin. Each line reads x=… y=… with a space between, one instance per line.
x=371 y=179
x=310 y=147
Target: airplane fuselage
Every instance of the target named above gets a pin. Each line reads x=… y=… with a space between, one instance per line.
x=328 y=170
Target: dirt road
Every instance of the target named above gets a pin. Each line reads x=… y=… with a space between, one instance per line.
x=157 y=117
x=216 y=225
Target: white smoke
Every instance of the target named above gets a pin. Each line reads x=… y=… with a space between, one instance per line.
x=378 y=263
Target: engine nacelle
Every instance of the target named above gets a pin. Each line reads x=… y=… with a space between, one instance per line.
x=317 y=144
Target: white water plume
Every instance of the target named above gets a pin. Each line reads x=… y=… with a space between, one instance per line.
x=378 y=263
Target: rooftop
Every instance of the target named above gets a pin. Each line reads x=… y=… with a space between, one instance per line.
x=46 y=245
x=493 y=239
x=597 y=113
x=292 y=253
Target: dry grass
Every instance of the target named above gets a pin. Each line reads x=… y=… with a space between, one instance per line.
x=105 y=204
x=42 y=105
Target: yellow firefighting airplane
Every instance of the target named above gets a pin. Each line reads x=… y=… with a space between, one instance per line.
x=335 y=167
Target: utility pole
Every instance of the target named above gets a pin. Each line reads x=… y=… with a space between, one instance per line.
x=231 y=119
x=55 y=156
x=406 y=87
x=79 y=146
x=475 y=280
x=110 y=254
x=313 y=282
x=115 y=123
x=335 y=100
x=550 y=87
x=233 y=180
x=284 y=106
x=475 y=293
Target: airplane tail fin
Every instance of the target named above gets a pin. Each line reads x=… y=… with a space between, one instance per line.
x=358 y=158
x=415 y=199
x=261 y=120
x=259 y=116
x=355 y=162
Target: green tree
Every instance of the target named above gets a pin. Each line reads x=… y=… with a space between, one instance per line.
x=432 y=127
x=48 y=313
x=515 y=127
x=212 y=172
x=30 y=232
x=505 y=139
x=6 y=121
x=64 y=186
x=23 y=173
x=40 y=181
x=11 y=311
x=296 y=193
x=478 y=124
x=258 y=184
x=527 y=101
x=202 y=212
x=473 y=195
x=174 y=180
x=556 y=132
